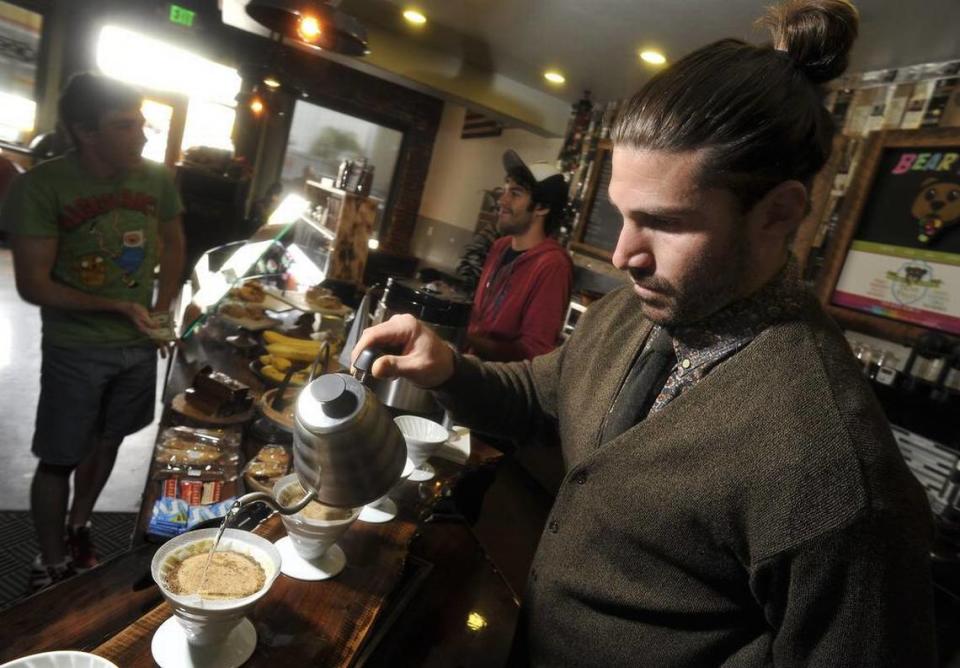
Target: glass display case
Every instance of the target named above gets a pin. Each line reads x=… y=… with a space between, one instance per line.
x=318 y=237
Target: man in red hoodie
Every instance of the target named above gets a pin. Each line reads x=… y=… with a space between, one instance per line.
x=524 y=289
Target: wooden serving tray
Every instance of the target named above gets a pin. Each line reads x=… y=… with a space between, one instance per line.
x=181 y=406
x=298 y=300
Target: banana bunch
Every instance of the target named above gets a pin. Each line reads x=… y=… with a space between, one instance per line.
x=272 y=370
x=284 y=351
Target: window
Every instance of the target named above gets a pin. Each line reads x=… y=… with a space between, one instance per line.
x=19 y=49
x=320 y=139
x=209 y=88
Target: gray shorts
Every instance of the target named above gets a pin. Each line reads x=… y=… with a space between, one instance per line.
x=92 y=392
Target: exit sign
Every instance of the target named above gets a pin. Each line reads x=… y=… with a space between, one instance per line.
x=182 y=15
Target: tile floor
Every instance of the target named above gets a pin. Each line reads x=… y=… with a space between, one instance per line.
x=19 y=389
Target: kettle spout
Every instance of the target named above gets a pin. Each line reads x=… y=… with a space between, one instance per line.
x=276 y=505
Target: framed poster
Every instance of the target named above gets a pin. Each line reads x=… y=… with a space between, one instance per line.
x=894 y=270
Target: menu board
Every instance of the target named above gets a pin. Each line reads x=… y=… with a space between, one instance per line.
x=602 y=227
x=904 y=260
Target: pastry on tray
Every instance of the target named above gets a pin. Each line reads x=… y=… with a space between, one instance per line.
x=242 y=311
x=251 y=291
x=216 y=393
x=322 y=298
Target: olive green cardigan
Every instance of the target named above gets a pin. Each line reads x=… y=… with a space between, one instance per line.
x=763 y=517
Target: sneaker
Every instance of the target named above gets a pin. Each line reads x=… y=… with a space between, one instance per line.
x=81 y=548
x=44 y=575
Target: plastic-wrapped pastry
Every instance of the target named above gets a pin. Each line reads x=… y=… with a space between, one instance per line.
x=273 y=461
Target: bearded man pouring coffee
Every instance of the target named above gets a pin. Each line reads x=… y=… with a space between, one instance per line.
x=733 y=494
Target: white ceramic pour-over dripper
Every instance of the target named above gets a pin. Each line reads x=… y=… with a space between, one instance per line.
x=384 y=509
x=309 y=549
x=209 y=631
x=423 y=437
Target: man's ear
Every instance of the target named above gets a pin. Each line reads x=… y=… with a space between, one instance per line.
x=540 y=210
x=783 y=209
x=81 y=134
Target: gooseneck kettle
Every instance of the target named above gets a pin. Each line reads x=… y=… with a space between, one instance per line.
x=347 y=451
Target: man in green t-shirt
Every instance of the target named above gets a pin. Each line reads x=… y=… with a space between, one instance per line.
x=89 y=228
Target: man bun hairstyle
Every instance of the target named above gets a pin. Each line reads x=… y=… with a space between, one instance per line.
x=816 y=34
x=756 y=111
x=88 y=96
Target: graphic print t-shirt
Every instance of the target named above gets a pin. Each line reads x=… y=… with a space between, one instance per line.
x=107 y=231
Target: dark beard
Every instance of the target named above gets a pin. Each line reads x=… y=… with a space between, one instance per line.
x=512 y=227
x=715 y=284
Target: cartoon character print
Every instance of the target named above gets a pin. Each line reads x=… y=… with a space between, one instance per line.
x=936 y=208
x=131 y=256
x=915 y=274
x=92 y=270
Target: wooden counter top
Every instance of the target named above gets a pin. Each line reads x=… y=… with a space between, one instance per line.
x=414 y=592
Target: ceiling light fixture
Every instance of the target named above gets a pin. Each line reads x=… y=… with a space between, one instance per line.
x=256 y=106
x=314 y=23
x=653 y=57
x=309 y=28
x=414 y=16
x=271 y=82
x=554 y=77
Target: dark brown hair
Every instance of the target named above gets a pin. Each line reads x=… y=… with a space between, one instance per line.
x=758 y=110
x=88 y=96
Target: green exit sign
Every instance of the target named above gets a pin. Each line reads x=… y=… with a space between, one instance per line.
x=181 y=15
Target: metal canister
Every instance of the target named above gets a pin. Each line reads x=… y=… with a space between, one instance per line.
x=445 y=312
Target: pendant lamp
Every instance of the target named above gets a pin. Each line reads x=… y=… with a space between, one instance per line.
x=320 y=25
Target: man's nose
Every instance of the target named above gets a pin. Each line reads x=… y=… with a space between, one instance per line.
x=633 y=248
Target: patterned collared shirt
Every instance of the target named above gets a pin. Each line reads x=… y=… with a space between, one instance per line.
x=701 y=347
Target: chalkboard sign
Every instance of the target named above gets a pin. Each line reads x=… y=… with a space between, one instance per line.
x=896 y=266
x=600 y=221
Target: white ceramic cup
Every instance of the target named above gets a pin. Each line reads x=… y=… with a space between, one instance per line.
x=210 y=621
x=423 y=437
x=311 y=537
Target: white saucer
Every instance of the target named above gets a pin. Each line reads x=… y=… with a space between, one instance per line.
x=295 y=566
x=170 y=648
x=423 y=474
x=382 y=511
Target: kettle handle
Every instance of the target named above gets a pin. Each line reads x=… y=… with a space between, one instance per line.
x=364 y=362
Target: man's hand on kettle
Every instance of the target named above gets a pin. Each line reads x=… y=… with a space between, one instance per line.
x=424 y=357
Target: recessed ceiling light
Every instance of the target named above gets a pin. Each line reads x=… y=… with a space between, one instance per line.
x=414 y=16
x=554 y=77
x=653 y=57
x=271 y=82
